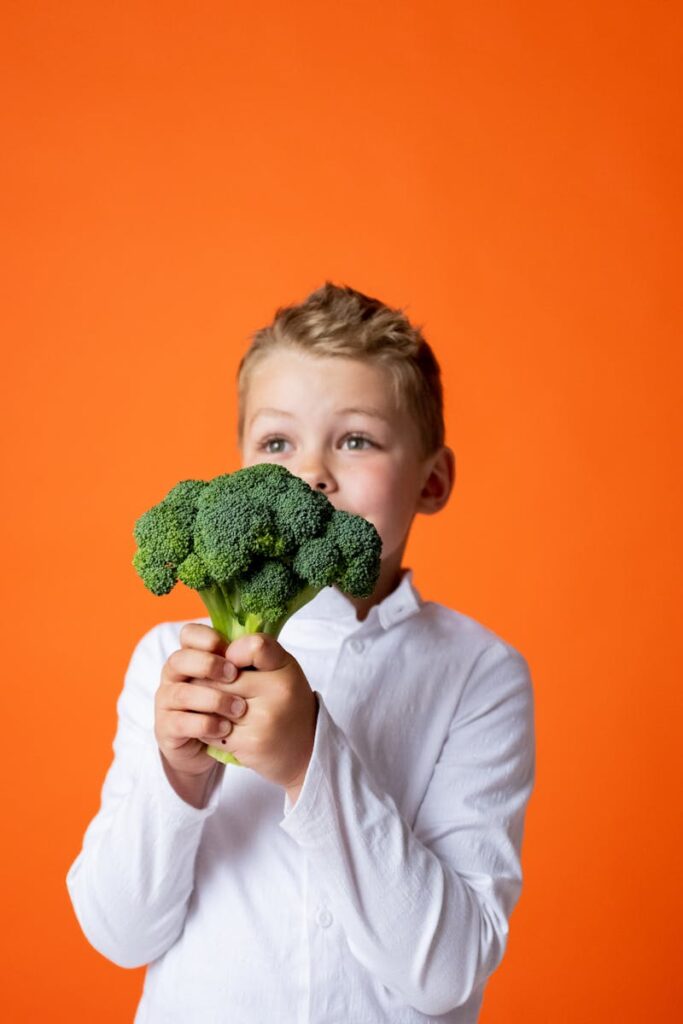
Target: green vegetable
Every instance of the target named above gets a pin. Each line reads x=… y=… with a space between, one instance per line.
x=257 y=545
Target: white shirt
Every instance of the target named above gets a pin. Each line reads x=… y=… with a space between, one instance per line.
x=384 y=893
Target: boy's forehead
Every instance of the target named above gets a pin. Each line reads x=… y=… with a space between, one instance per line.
x=284 y=378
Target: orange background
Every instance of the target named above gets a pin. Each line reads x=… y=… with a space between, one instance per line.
x=509 y=172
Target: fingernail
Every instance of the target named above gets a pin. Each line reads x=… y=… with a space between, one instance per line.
x=226 y=726
x=229 y=671
x=237 y=706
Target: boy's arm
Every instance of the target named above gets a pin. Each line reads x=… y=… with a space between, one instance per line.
x=425 y=909
x=132 y=881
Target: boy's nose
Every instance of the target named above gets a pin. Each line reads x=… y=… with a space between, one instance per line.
x=318 y=476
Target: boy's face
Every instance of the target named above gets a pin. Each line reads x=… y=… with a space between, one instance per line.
x=333 y=422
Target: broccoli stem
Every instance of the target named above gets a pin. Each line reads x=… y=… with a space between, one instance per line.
x=224 y=611
x=225 y=616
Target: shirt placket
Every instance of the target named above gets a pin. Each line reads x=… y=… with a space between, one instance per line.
x=327 y=985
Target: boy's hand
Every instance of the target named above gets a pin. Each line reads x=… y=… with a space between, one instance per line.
x=195 y=705
x=275 y=736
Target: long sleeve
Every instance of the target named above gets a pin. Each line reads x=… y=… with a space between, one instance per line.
x=424 y=905
x=131 y=883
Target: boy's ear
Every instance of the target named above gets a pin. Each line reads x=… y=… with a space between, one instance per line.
x=439 y=482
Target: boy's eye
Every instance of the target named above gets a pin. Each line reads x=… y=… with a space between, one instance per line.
x=274 y=445
x=357 y=442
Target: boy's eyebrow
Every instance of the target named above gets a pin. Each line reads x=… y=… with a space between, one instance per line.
x=270 y=412
x=365 y=411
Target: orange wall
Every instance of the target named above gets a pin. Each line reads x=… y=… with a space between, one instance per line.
x=509 y=171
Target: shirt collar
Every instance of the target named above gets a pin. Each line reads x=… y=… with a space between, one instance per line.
x=400 y=604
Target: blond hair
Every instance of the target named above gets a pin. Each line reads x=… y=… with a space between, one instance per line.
x=336 y=320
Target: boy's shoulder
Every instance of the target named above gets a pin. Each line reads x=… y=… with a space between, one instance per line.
x=453 y=626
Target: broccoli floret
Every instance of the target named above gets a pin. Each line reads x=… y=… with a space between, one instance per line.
x=346 y=554
x=164 y=536
x=361 y=547
x=257 y=545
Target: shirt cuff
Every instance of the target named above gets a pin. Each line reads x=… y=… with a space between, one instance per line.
x=308 y=821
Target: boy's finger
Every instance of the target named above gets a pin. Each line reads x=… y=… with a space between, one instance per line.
x=204 y=638
x=193 y=697
x=181 y=726
x=190 y=663
x=258 y=650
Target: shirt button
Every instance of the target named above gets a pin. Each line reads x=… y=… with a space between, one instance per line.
x=357 y=646
x=324 y=918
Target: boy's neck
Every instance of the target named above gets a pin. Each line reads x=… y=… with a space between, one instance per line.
x=390 y=576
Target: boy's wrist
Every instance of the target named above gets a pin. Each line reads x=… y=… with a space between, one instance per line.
x=194 y=789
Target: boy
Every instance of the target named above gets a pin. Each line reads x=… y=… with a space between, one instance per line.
x=363 y=863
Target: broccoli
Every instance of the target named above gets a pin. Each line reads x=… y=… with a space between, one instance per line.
x=257 y=545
